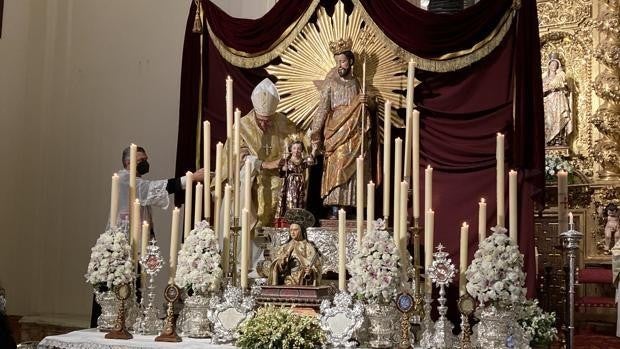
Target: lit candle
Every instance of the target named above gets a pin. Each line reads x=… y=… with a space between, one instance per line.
x=146 y=233
x=512 y=206
x=370 y=206
x=187 y=226
x=135 y=230
x=416 y=162
x=464 y=254
x=114 y=201
x=499 y=156
x=198 y=208
x=218 y=187
x=360 y=199
x=428 y=188
x=482 y=221
x=237 y=156
x=408 y=118
x=402 y=236
x=245 y=233
x=174 y=244
x=247 y=184
x=132 y=180
x=207 y=169
x=387 y=145
x=229 y=107
x=562 y=201
x=226 y=222
x=429 y=229
x=398 y=158
x=342 y=250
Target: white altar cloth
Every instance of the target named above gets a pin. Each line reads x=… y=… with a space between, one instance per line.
x=93 y=339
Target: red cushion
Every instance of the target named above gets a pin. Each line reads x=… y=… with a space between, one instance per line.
x=595 y=276
x=595 y=301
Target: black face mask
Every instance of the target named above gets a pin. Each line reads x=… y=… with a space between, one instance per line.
x=143 y=167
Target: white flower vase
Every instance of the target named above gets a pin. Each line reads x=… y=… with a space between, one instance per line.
x=498 y=328
x=109 y=308
x=381 y=317
x=193 y=318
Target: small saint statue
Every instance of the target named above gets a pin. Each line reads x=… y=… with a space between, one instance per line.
x=297 y=262
x=293 y=170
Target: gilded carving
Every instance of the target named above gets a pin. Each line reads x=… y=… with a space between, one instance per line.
x=565 y=13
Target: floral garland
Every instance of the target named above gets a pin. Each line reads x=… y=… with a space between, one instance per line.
x=496 y=273
x=110 y=261
x=537 y=324
x=374 y=270
x=280 y=328
x=198 y=267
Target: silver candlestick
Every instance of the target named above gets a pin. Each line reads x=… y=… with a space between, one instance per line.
x=442 y=271
x=570 y=241
x=148 y=322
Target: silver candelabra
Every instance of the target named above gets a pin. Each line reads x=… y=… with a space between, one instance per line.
x=570 y=241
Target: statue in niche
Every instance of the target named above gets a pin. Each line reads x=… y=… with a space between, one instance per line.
x=297 y=262
x=558 y=116
x=612 y=226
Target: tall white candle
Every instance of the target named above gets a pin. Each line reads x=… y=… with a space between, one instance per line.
x=245 y=233
x=429 y=231
x=132 y=180
x=114 y=193
x=512 y=206
x=428 y=188
x=187 y=216
x=398 y=158
x=174 y=244
x=570 y=220
x=408 y=118
x=464 y=254
x=146 y=233
x=247 y=184
x=360 y=199
x=562 y=201
x=218 y=186
x=135 y=229
x=482 y=221
x=370 y=206
x=403 y=236
x=207 y=169
x=229 y=107
x=387 y=148
x=415 y=155
x=499 y=156
x=198 y=208
x=237 y=157
x=226 y=229
x=342 y=250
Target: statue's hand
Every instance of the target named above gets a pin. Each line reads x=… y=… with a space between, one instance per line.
x=363 y=98
x=270 y=165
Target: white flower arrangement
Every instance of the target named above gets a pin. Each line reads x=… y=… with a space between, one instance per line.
x=554 y=163
x=199 y=261
x=537 y=324
x=374 y=270
x=110 y=261
x=496 y=273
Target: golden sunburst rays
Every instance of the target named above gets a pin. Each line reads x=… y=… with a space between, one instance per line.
x=306 y=62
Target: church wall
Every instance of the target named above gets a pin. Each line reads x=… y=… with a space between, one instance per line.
x=80 y=80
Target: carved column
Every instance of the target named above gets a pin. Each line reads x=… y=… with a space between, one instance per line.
x=607 y=87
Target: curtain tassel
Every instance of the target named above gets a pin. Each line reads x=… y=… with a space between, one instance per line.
x=197 y=20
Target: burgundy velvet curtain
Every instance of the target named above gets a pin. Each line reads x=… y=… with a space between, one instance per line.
x=461 y=111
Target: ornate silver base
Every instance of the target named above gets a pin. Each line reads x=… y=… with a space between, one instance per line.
x=193 y=320
x=382 y=324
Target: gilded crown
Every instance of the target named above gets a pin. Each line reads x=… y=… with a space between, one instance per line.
x=340 y=45
x=554 y=55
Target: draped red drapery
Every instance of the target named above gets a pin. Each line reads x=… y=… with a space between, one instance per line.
x=461 y=111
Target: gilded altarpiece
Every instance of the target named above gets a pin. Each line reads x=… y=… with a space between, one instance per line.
x=583 y=36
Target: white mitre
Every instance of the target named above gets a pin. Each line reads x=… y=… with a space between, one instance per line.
x=265 y=98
